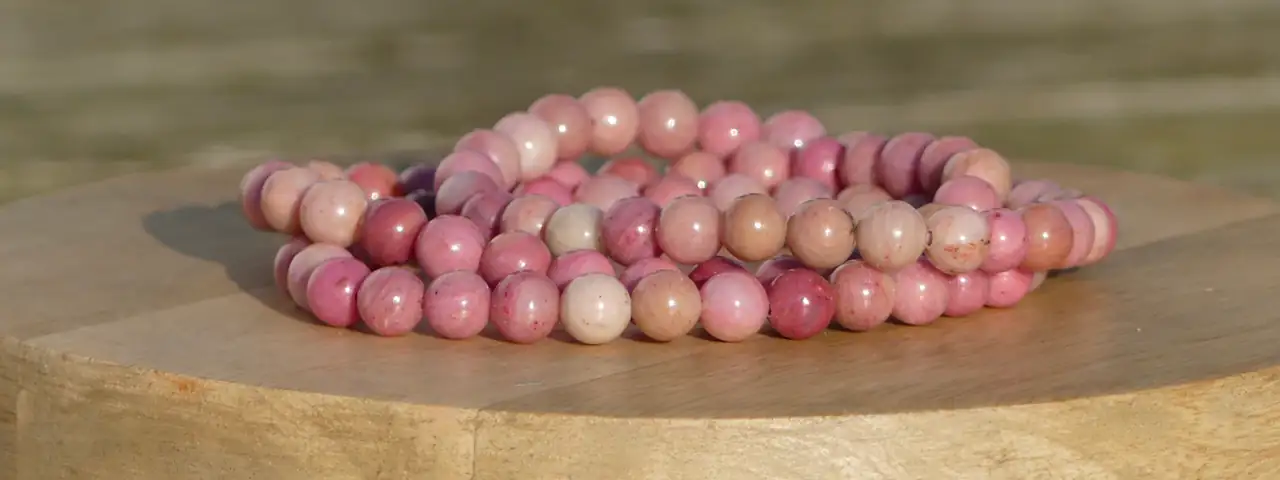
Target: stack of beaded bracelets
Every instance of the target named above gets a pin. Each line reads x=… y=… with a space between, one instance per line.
x=511 y=230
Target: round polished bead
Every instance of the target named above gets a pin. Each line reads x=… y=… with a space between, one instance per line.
x=1105 y=229
x=282 y=198
x=420 y=177
x=456 y=305
x=629 y=230
x=892 y=235
x=982 y=163
x=467 y=161
x=791 y=129
x=390 y=229
x=615 y=119
x=390 y=301
x=668 y=124
x=689 y=230
x=569 y=122
x=602 y=191
x=546 y=187
x=251 y=192
x=569 y=174
x=898 y=170
x=460 y=187
x=703 y=168
x=771 y=268
x=448 y=243
x=796 y=191
x=959 y=239
x=331 y=291
x=764 y=162
x=1081 y=229
x=726 y=125
x=533 y=138
x=633 y=169
x=734 y=306
x=377 y=180
x=858 y=199
x=968 y=191
x=665 y=305
x=425 y=199
x=574 y=227
x=284 y=257
x=595 y=308
x=801 y=304
x=929 y=209
x=639 y=270
x=485 y=210
x=525 y=307
x=821 y=234
x=331 y=212
x=1029 y=191
x=527 y=213
x=710 y=268
x=727 y=190
x=1005 y=289
x=327 y=170
x=1008 y=240
x=513 y=252
x=858 y=167
x=671 y=187
x=966 y=293
x=934 y=158
x=500 y=149
x=921 y=294
x=1049 y=237
x=577 y=263
x=754 y=229
x=864 y=296
x=819 y=160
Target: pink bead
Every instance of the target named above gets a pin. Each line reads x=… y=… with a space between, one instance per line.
x=629 y=230
x=390 y=229
x=331 y=212
x=467 y=161
x=982 y=163
x=603 y=191
x=726 y=125
x=801 y=304
x=935 y=157
x=819 y=160
x=857 y=199
x=456 y=305
x=485 y=210
x=500 y=149
x=251 y=192
x=1008 y=240
x=304 y=264
x=771 y=268
x=637 y=271
x=459 y=188
x=921 y=294
x=764 y=162
x=689 y=230
x=1081 y=228
x=892 y=235
x=727 y=190
x=525 y=307
x=326 y=170
x=282 y=198
x=671 y=187
x=966 y=293
x=703 y=168
x=569 y=174
x=577 y=263
x=284 y=256
x=794 y=192
x=864 y=296
x=967 y=191
x=546 y=187
x=527 y=213
x=959 y=239
x=791 y=129
x=1105 y=229
x=668 y=124
x=331 y=291
x=899 y=166
x=615 y=119
x=633 y=169
x=390 y=301
x=569 y=122
x=513 y=252
x=1029 y=191
x=533 y=138
x=449 y=243
x=1007 y=288
x=860 y=157
x=710 y=268
x=377 y=180
x=734 y=306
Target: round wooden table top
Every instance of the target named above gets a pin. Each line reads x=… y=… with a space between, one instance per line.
x=142 y=339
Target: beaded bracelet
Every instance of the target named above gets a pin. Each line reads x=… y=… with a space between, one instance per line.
x=510 y=229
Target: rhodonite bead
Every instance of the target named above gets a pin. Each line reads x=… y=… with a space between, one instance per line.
x=1049 y=237
x=801 y=304
x=753 y=228
x=668 y=124
x=390 y=229
x=331 y=212
x=1005 y=289
x=665 y=305
x=420 y=177
x=797 y=190
x=671 y=187
x=527 y=213
x=282 y=198
x=377 y=180
x=425 y=199
x=771 y=268
x=1081 y=228
x=577 y=263
x=629 y=230
x=921 y=294
x=968 y=191
x=500 y=150
x=638 y=271
x=891 y=235
x=1008 y=240
x=734 y=306
x=632 y=169
x=959 y=239
x=304 y=263
x=595 y=308
x=284 y=256
x=456 y=305
x=460 y=187
x=858 y=167
x=513 y=252
x=982 y=163
x=710 y=268
x=546 y=187
x=763 y=162
x=934 y=158
x=858 y=199
x=390 y=301
x=574 y=227
x=615 y=119
x=703 y=168
x=525 y=307
x=569 y=122
x=603 y=191
x=251 y=192
x=485 y=209
x=331 y=291
x=864 y=296
x=1027 y=192
x=966 y=293
x=898 y=170
x=448 y=243
x=467 y=161
x=327 y=170
x=689 y=230
x=791 y=129
x=726 y=125
x=533 y=138
x=1105 y=229
x=821 y=234
x=819 y=160
x=567 y=173
x=726 y=190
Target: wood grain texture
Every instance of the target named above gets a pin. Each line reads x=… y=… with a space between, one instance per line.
x=142 y=340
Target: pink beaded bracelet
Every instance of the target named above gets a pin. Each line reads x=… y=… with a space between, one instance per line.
x=512 y=231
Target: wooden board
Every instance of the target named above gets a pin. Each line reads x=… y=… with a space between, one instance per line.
x=142 y=340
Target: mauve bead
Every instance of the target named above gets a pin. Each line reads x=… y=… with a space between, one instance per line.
x=668 y=123
x=633 y=169
x=821 y=234
x=801 y=304
x=1027 y=192
x=459 y=188
x=899 y=166
x=574 y=227
x=710 y=268
x=819 y=160
x=577 y=263
x=485 y=209
x=671 y=187
x=771 y=268
x=639 y=270
x=1081 y=228
x=921 y=294
x=569 y=122
x=791 y=129
x=689 y=230
x=527 y=213
x=546 y=187
x=569 y=174
x=327 y=170
x=448 y=243
x=284 y=256
x=466 y=161
x=377 y=180
x=417 y=177
x=331 y=212
x=456 y=305
x=734 y=306
x=615 y=119
x=513 y=252
x=727 y=189
x=934 y=158
x=857 y=199
x=968 y=191
x=892 y=235
x=1008 y=240
x=251 y=192
x=595 y=308
x=726 y=125
x=797 y=190
x=864 y=296
x=966 y=293
x=703 y=168
x=602 y=191
x=282 y=198
x=425 y=199
x=331 y=291
x=1105 y=229
x=390 y=301
x=1005 y=289
x=665 y=305
x=959 y=239
x=860 y=157
x=525 y=307
x=982 y=163
x=762 y=161
x=390 y=229
x=753 y=228
x=304 y=264
x=500 y=150
x=533 y=138
x=1049 y=237
x=628 y=230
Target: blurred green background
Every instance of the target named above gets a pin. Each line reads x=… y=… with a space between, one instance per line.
x=1188 y=88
